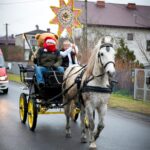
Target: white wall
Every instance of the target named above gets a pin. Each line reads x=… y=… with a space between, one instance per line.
x=140 y=37
x=21 y=41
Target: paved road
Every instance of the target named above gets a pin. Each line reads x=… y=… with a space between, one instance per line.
x=123 y=131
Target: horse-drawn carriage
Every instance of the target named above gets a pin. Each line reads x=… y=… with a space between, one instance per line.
x=92 y=86
x=39 y=100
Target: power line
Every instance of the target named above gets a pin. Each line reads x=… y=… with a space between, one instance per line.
x=17 y=2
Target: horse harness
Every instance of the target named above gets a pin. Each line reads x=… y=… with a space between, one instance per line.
x=86 y=88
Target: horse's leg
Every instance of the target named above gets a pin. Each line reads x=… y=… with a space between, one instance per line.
x=101 y=113
x=67 y=114
x=90 y=110
x=83 y=128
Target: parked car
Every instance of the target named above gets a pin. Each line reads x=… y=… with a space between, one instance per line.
x=3 y=74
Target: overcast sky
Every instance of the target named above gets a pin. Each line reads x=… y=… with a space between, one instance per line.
x=23 y=15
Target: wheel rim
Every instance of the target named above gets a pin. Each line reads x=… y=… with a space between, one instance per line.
x=22 y=108
x=30 y=113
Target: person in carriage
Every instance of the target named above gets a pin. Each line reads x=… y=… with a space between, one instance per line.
x=69 y=54
x=47 y=56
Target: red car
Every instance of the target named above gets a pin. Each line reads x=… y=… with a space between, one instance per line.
x=3 y=75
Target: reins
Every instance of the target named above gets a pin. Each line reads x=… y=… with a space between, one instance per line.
x=74 y=72
x=85 y=87
x=66 y=90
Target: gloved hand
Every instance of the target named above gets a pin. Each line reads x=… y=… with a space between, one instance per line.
x=35 y=60
x=52 y=68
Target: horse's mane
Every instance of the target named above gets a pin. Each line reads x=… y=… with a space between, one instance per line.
x=91 y=61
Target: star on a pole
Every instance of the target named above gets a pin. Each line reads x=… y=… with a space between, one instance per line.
x=66 y=16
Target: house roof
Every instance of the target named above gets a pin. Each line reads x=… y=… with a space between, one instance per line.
x=116 y=15
x=33 y=32
x=11 y=40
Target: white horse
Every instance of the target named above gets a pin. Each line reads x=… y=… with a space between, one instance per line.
x=92 y=86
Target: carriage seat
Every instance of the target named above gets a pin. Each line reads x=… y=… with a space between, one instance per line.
x=53 y=78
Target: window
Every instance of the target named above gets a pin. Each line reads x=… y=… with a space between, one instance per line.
x=130 y=36
x=148 y=45
x=1 y=61
x=33 y=42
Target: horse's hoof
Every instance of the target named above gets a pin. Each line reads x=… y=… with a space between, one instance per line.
x=68 y=135
x=96 y=136
x=92 y=146
x=83 y=140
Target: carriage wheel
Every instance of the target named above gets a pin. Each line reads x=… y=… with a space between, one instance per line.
x=32 y=114
x=23 y=108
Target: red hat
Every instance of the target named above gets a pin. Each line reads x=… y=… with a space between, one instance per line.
x=50 y=38
x=52 y=46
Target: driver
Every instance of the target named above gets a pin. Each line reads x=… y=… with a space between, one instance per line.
x=47 y=56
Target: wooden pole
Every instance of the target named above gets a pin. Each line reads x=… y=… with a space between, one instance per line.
x=85 y=26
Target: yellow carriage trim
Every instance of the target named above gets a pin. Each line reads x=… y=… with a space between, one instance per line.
x=44 y=110
x=86 y=121
x=51 y=112
x=75 y=112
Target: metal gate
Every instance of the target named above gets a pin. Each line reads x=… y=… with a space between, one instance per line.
x=142 y=84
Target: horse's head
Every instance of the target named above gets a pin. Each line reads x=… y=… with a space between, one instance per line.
x=106 y=55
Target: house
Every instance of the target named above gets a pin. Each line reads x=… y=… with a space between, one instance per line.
x=27 y=41
x=7 y=44
x=130 y=22
x=10 y=40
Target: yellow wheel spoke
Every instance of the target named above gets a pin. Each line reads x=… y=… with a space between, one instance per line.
x=21 y=108
x=31 y=113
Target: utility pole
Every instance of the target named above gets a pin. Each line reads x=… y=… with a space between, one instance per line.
x=85 y=26
x=6 y=26
x=6 y=42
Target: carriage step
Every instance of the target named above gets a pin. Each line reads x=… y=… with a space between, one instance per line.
x=28 y=79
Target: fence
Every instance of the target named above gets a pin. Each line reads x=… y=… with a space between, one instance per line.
x=142 y=84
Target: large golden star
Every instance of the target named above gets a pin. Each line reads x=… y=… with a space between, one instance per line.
x=66 y=16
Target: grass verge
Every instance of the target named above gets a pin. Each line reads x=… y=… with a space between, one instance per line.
x=14 y=77
x=128 y=103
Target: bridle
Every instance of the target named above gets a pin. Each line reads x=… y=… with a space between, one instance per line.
x=107 y=45
x=87 y=88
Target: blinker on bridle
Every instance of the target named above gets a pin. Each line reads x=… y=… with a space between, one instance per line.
x=107 y=45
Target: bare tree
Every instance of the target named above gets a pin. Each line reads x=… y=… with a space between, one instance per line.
x=141 y=43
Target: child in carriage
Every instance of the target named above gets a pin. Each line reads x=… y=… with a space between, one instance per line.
x=69 y=53
x=47 y=56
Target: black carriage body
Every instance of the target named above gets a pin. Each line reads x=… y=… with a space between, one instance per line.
x=52 y=88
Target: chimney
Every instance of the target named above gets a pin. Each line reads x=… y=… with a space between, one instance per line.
x=100 y=3
x=48 y=30
x=131 y=6
x=37 y=27
x=12 y=36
